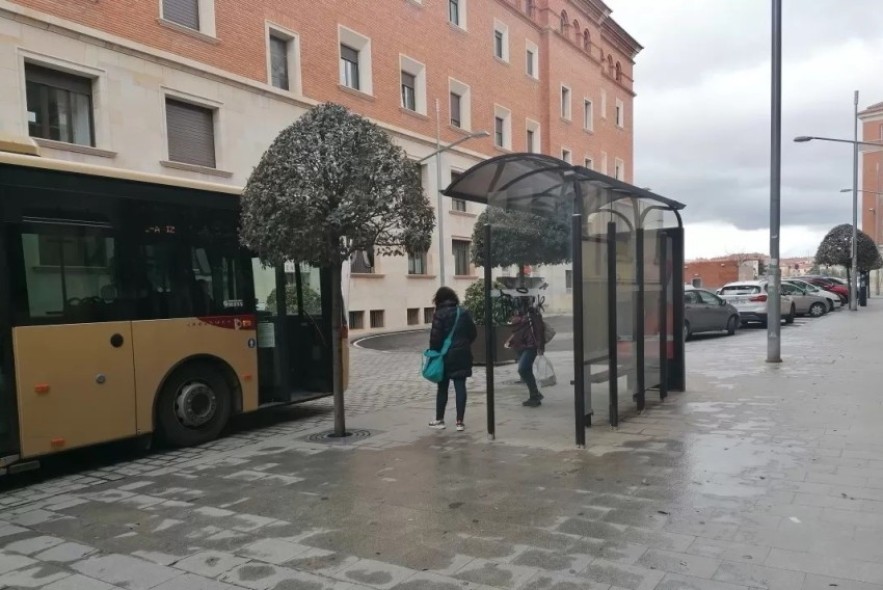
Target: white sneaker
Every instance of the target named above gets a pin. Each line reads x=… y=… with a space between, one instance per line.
x=460 y=427
x=437 y=424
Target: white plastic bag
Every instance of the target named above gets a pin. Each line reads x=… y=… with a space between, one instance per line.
x=544 y=372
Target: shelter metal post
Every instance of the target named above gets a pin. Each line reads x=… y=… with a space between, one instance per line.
x=640 y=382
x=677 y=371
x=612 y=339
x=579 y=367
x=662 y=252
x=489 y=341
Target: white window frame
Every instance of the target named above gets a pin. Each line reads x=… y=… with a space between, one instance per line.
x=603 y=104
x=567 y=155
x=588 y=162
x=206 y=10
x=531 y=48
x=505 y=114
x=464 y=11
x=566 y=107
x=199 y=101
x=618 y=169
x=465 y=93
x=295 y=82
x=362 y=44
x=588 y=114
x=503 y=28
x=534 y=126
x=417 y=69
x=101 y=136
x=620 y=114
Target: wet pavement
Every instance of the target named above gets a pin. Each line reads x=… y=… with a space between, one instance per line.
x=759 y=476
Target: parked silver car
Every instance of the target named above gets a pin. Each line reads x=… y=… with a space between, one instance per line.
x=706 y=312
x=834 y=301
x=807 y=303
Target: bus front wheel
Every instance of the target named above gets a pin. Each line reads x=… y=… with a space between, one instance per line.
x=194 y=405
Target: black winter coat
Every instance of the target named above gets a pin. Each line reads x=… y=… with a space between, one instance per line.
x=458 y=361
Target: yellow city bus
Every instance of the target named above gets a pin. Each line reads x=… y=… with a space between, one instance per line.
x=128 y=308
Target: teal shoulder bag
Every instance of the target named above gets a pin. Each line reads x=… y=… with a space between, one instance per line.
x=434 y=360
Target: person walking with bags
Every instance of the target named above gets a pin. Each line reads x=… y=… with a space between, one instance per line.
x=529 y=341
x=451 y=322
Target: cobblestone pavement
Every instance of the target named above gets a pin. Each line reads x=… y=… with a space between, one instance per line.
x=760 y=476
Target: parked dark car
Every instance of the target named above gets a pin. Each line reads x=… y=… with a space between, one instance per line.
x=706 y=312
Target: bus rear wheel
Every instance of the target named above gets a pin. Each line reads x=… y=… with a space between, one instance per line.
x=194 y=405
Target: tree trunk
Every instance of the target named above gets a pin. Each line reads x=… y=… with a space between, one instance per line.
x=337 y=351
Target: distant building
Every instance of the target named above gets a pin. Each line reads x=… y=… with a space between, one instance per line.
x=872 y=183
x=713 y=273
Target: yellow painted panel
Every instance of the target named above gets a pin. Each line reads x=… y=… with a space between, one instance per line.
x=74 y=387
x=160 y=345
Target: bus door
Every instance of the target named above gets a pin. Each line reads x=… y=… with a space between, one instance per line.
x=72 y=343
x=8 y=421
x=293 y=333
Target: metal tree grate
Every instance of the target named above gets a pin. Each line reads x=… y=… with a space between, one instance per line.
x=328 y=437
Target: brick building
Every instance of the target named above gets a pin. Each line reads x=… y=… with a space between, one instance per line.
x=199 y=88
x=713 y=273
x=871 y=120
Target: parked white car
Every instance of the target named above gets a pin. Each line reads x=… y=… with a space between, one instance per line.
x=750 y=298
x=834 y=301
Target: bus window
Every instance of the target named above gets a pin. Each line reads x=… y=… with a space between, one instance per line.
x=69 y=271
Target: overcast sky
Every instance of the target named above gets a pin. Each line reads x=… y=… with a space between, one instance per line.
x=702 y=114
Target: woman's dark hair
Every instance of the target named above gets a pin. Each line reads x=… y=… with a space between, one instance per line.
x=445 y=294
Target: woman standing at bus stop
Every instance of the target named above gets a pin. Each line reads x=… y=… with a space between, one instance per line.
x=450 y=318
x=529 y=341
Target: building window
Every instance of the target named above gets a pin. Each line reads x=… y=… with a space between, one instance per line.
x=530 y=56
x=279 y=62
x=191 y=133
x=618 y=169
x=530 y=7
x=413 y=316
x=355 y=60
x=413 y=80
x=567 y=155
x=349 y=67
x=454 y=12
x=565 y=24
x=588 y=163
x=428 y=312
x=588 y=115
x=618 y=72
x=587 y=40
x=377 y=318
x=620 y=113
x=460 y=104
x=456 y=99
x=361 y=263
x=532 y=60
x=502 y=128
x=533 y=137
x=603 y=104
x=565 y=103
x=417 y=263
x=409 y=96
x=568 y=279
x=461 y=257
x=182 y=12
x=357 y=320
x=59 y=105
x=501 y=41
x=458 y=205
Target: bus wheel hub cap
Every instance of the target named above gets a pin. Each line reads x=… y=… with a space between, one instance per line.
x=195 y=404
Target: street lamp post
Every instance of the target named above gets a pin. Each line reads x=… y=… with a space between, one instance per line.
x=774 y=307
x=853 y=279
x=438 y=184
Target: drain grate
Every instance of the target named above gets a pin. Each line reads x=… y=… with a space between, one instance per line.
x=328 y=437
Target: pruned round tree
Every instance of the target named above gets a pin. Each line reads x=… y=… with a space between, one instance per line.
x=332 y=184
x=521 y=238
x=836 y=250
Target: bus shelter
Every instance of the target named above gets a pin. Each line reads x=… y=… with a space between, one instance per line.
x=625 y=249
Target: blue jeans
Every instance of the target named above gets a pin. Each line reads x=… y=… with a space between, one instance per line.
x=525 y=370
x=441 y=399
